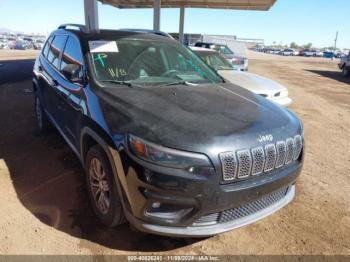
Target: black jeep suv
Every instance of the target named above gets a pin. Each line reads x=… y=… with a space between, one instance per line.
x=165 y=142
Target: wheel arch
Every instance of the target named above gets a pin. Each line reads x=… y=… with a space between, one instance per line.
x=90 y=137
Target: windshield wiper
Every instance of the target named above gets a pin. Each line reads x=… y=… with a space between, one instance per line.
x=119 y=82
x=185 y=83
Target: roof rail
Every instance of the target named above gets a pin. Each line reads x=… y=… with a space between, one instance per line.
x=82 y=28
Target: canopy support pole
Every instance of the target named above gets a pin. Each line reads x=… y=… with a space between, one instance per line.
x=181 y=24
x=91 y=15
x=156 y=15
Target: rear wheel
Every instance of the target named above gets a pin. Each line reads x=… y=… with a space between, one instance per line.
x=42 y=120
x=346 y=71
x=102 y=188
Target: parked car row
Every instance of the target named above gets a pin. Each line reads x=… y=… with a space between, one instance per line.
x=302 y=52
x=21 y=42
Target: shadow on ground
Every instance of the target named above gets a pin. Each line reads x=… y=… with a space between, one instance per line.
x=48 y=178
x=335 y=75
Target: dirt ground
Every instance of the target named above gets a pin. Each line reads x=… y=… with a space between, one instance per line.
x=44 y=207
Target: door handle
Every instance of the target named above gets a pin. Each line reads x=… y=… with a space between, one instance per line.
x=40 y=68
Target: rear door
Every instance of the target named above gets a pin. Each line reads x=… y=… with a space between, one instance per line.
x=51 y=66
x=43 y=75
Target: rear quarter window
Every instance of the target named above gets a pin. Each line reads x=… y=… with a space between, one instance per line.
x=46 y=47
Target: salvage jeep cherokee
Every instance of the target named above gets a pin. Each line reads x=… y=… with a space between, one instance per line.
x=164 y=141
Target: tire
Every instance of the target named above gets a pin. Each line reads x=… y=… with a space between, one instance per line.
x=346 y=71
x=43 y=123
x=102 y=188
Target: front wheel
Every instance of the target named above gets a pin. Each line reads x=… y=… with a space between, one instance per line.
x=346 y=71
x=102 y=188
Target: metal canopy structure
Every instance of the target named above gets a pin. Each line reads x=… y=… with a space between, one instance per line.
x=222 y=4
x=91 y=10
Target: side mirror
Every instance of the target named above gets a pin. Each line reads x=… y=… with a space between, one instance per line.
x=73 y=73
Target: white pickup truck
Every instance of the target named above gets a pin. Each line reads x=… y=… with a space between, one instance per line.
x=345 y=65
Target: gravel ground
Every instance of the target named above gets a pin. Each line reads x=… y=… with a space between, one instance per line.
x=44 y=204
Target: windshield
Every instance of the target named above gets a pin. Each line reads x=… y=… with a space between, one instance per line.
x=148 y=62
x=215 y=60
x=223 y=50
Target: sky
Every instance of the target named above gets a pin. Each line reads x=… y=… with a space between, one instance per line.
x=300 y=21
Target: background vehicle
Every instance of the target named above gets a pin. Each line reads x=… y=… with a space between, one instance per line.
x=308 y=52
x=22 y=45
x=4 y=44
x=254 y=83
x=38 y=44
x=319 y=53
x=287 y=52
x=344 y=65
x=239 y=62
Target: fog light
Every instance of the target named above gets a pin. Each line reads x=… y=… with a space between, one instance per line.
x=166 y=211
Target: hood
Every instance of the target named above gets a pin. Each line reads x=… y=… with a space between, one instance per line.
x=252 y=82
x=204 y=118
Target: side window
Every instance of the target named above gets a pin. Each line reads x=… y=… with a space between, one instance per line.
x=55 y=50
x=72 y=53
x=46 y=47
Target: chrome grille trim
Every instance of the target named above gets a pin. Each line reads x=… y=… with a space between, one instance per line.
x=258 y=155
x=244 y=163
x=290 y=151
x=298 y=146
x=281 y=153
x=270 y=152
x=229 y=165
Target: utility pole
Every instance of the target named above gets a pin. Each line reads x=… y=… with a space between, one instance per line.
x=335 y=41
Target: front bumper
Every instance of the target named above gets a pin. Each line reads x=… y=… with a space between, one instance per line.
x=209 y=230
x=202 y=195
x=240 y=67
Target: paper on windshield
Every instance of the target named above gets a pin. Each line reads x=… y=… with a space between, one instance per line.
x=103 y=46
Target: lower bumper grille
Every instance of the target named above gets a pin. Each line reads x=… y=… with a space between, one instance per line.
x=243 y=210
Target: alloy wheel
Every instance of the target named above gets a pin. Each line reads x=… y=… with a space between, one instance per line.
x=99 y=186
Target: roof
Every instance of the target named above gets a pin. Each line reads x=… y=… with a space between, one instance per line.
x=263 y=5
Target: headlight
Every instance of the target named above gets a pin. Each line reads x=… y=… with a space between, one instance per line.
x=166 y=156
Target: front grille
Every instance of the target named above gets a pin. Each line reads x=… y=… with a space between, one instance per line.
x=245 y=163
x=229 y=165
x=270 y=151
x=298 y=146
x=290 y=150
x=243 y=210
x=258 y=160
x=281 y=153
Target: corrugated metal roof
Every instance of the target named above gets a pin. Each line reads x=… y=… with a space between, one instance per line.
x=220 y=4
